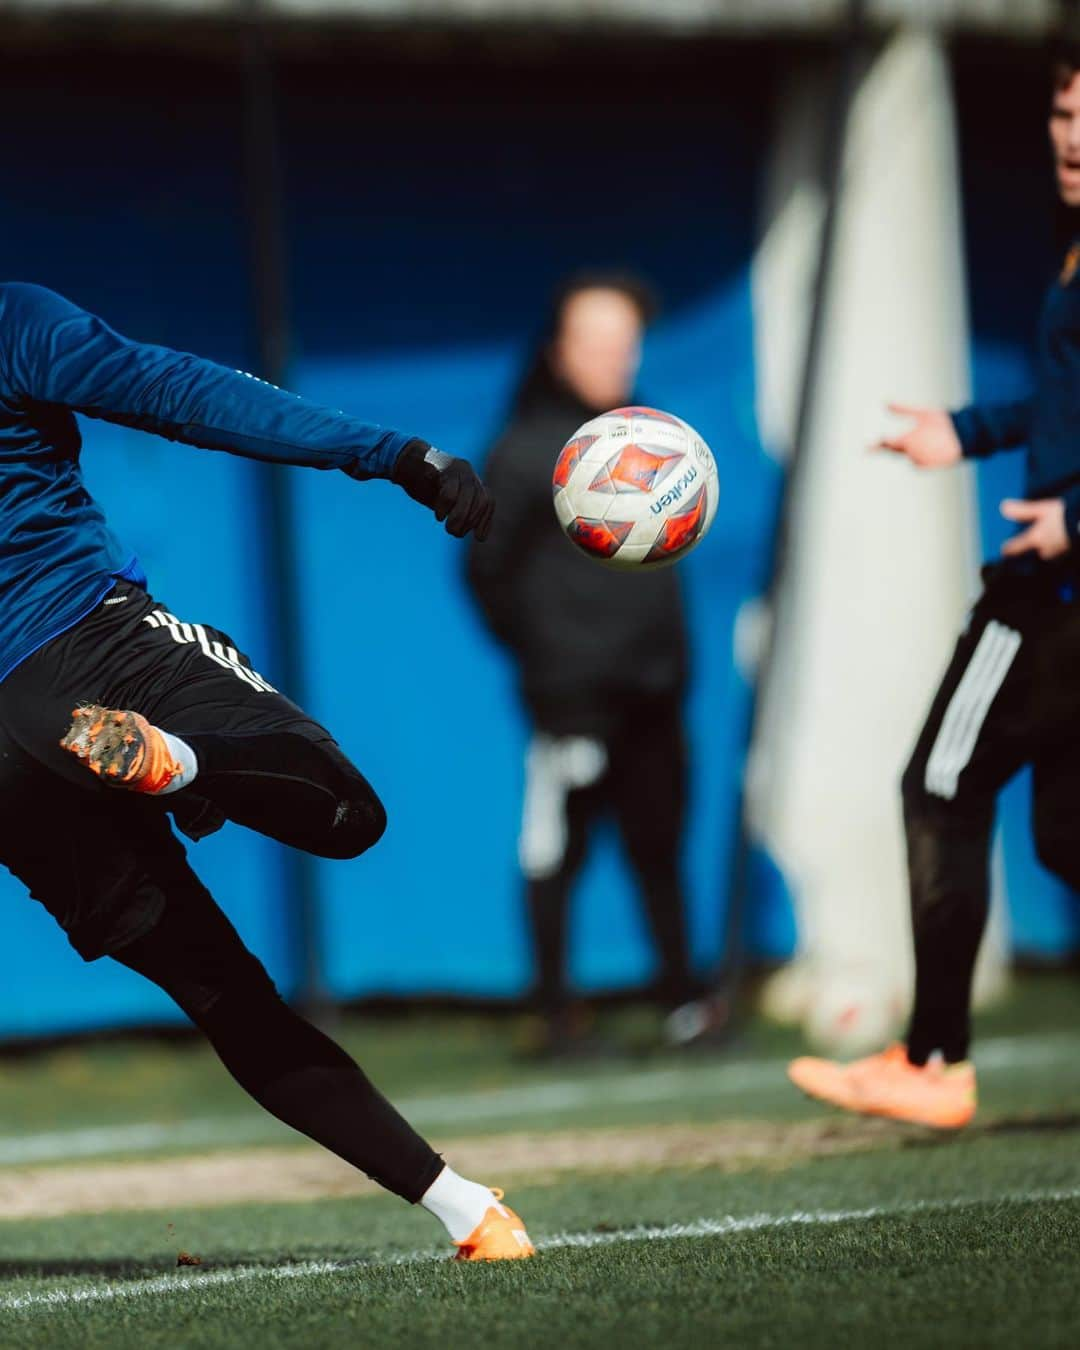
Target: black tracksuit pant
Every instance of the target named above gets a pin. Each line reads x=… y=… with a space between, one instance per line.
x=108 y=866
x=1010 y=697
x=633 y=767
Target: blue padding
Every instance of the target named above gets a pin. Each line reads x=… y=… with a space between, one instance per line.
x=425 y=238
x=147 y=230
x=394 y=641
x=418 y=285
x=188 y=514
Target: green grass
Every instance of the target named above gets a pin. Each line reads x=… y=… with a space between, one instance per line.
x=971 y=1241
x=945 y=1280
x=992 y=1272
x=420 y=1058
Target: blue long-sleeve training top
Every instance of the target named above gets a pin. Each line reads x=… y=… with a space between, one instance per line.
x=58 y=558
x=1048 y=422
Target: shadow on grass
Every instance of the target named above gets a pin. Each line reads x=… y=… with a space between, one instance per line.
x=1060 y=1123
x=135 y=1268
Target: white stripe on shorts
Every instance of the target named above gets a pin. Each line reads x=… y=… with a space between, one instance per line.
x=554 y=767
x=188 y=634
x=959 y=731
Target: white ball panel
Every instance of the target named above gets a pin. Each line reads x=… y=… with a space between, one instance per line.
x=660 y=436
x=623 y=506
x=645 y=531
x=564 y=509
x=622 y=561
x=633 y=553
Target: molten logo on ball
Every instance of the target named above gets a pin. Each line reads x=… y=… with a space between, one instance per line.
x=674 y=493
x=635 y=488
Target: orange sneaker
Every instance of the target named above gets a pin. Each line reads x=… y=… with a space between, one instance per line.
x=499 y=1236
x=122 y=748
x=939 y=1095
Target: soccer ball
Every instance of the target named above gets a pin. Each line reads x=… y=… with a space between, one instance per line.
x=635 y=488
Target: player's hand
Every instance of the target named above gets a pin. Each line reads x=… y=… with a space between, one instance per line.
x=1046 y=534
x=450 y=487
x=932 y=443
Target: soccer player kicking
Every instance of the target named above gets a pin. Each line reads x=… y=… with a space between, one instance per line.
x=114 y=712
x=1010 y=697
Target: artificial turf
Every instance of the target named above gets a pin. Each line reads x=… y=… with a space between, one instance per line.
x=954 y=1255
x=921 y=1240
x=425 y=1062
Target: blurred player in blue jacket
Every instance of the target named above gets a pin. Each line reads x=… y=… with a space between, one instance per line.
x=115 y=712
x=1010 y=698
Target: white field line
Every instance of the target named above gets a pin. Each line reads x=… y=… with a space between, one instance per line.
x=699 y=1228
x=541 y=1100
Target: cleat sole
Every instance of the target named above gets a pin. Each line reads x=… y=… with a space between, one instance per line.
x=110 y=744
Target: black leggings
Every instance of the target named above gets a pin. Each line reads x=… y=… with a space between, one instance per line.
x=107 y=865
x=117 y=879
x=286 y=1064
x=284 y=784
x=640 y=779
x=1008 y=699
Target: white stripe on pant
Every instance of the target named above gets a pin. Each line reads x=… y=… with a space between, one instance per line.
x=187 y=634
x=554 y=767
x=964 y=717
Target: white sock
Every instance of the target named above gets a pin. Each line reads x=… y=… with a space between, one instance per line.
x=460 y=1205
x=185 y=757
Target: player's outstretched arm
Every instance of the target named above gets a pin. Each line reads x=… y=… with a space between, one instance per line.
x=930 y=441
x=54 y=352
x=936 y=439
x=985 y=428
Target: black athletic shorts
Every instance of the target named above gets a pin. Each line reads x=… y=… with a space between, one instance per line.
x=104 y=860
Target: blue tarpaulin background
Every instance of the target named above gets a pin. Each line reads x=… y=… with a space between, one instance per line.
x=425 y=236
x=419 y=275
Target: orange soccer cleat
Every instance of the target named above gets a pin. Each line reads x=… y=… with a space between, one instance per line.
x=499 y=1236
x=122 y=748
x=887 y=1084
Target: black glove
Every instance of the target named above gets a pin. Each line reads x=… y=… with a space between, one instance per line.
x=448 y=486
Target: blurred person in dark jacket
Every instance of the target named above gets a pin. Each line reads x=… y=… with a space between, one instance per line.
x=601 y=655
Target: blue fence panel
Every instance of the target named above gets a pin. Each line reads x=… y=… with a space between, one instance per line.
x=419 y=273
x=420 y=317
x=159 y=252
